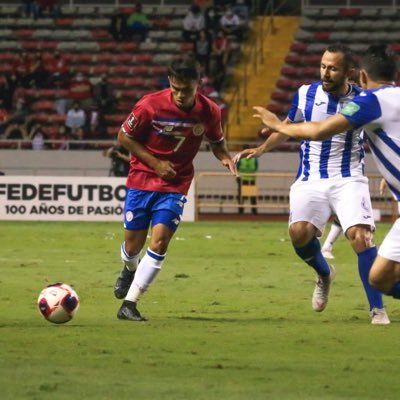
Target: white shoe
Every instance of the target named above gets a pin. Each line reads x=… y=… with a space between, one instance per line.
x=379 y=316
x=321 y=291
x=327 y=253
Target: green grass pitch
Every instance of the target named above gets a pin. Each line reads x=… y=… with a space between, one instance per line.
x=229 y=318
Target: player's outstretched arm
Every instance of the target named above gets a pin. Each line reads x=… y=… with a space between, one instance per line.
x=221 y=153
x=274 y=140
x=164 y=169
x=309 y=130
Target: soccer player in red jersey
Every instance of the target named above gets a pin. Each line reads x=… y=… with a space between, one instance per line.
x=163 y=134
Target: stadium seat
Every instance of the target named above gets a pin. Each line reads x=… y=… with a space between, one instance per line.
x=349 y=12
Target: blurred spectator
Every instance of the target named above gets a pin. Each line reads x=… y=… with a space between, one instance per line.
x=30 y=8
x=38 y=137
x=138 y=23
x=38 y=74
x=60 y=102
x=58 y=69
x=22 y=67
x=17 y=121
x=120 y=159
x=230 y=23
x=242 y=9
x=4 y=114
x=119 y=26
x=80 y=90
x=212 y=16
x=49 y=7
x=75 y=122
x=220 y=57
x=193 y=23
x=203 y=3
x=96 y=128
x=104 y=93
x=6 y=92
x=202 y=50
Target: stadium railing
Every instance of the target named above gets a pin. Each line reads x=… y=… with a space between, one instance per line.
x=217 y=193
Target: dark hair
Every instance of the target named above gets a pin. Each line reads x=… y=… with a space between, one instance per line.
x=380 y=63
x=185 y=68
x=346 y=51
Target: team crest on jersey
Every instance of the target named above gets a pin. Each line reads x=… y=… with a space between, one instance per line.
x=129 y=216
x=198 y=129
x=131 y=121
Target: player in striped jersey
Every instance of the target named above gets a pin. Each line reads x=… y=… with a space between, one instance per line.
x=377 y=111
x=330 y=179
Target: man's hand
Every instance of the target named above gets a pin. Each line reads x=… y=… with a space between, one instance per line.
x=231 y=165
x=249 y=153
x=268 y=118
x=165 y=170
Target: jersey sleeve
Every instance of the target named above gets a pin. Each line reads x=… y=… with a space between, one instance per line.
x=214 y=132
x=138 y=121
x=295 y=113
x=362 y=110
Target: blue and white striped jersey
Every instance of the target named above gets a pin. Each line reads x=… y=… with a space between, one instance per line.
x=378 y=112
x=340 y=156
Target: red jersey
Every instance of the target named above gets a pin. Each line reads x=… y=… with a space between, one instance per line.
x=172 y=134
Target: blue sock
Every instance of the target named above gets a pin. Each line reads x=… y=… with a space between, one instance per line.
x=395 y=291
x=311 y=254
x=365 y=260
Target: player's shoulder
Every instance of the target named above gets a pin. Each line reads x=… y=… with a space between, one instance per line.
x=206 y=104
x=305 y=88
x=153 y=96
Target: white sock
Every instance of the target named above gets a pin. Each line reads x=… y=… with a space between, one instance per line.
x=147 y=270
x=131 y=262
x=333 y=235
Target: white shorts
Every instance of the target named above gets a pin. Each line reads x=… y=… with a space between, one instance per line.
x=390 y=247
x=316 y=201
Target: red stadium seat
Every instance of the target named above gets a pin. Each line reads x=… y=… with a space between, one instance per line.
x=23 y=33
x=144 y=58
x=282 y=96
x=290 y=71
x=113 y=130
x=161 y=23
x=100 y=34
x=324 y=36
x=129 y=46
x=285 y=84
x=349 y=12
x=298 y=47
x=64 y=22
x=43 y=105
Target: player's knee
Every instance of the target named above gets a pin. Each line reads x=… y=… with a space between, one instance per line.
x=300 y=234
x=361 y=238
x=160 y=245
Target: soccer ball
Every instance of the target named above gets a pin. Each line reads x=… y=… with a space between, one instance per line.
x=58 y=303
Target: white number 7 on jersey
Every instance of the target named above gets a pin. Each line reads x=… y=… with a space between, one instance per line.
x=180 y=142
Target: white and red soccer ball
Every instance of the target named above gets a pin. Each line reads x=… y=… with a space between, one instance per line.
x=58 y=303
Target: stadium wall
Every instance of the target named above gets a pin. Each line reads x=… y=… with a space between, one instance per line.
x=92 y=163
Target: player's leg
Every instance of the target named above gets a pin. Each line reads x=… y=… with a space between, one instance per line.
x=309 y=212
x=136 y=222
x=357 y=222
x=385 y=272
x=130 y=256
x=167 y=210
x=333 y=235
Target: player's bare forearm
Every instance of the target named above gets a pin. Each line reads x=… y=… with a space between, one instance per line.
x=164 y=169
x=221 y=152
x=310 y=130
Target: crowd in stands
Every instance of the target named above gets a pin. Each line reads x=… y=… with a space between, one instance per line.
x=212 y=28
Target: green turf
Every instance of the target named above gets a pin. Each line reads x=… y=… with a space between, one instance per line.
x=229 y=318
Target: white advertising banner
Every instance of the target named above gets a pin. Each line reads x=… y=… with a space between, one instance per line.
x=52 y=198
